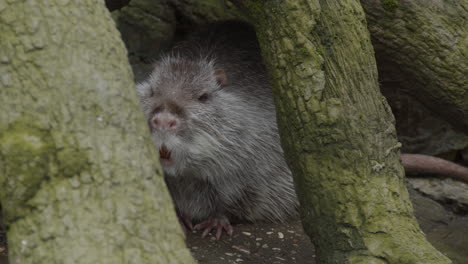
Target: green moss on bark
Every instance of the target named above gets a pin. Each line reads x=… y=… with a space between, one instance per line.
x=420 y=51
x=79 y=175
x=28 y=151
x=149 y=27
x=338 y=133
x=391 y=5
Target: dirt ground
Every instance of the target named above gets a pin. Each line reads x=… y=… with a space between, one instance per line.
x=266 y=243
x=277 y=244
x=263 y=243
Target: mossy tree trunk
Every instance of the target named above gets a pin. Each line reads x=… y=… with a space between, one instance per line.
x=423 y=45
x=420 y=44
x=116 y=4
x=338 y=132
x=79 y=175
x=149 y=27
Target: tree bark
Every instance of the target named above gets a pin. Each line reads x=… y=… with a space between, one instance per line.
x=116 y=4
x=423 y=45
x=338 y=132
x=150 y=26
x=79 y=175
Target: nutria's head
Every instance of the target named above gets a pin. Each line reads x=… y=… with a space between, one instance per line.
x=183 y=104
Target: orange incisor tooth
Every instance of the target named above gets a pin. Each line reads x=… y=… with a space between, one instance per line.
x=164 y=153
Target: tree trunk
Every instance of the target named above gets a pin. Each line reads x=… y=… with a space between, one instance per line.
x=116 y=4
x=418 y=43
x=338 y=132
x=79 y=175
x=149 y=26
x=423 y=45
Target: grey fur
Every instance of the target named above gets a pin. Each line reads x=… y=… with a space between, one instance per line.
x=227 y=152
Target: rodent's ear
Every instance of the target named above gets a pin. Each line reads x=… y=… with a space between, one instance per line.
x=221 y=77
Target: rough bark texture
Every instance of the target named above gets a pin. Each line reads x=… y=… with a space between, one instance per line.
x=423 y=45
x=116 y=4
x=79 y=176
x=338 y=132
x=418 y=128
x=149 y=26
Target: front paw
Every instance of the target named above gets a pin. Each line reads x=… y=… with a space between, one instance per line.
x=217 y=223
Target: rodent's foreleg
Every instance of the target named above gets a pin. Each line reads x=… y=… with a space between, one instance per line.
x=185 y=222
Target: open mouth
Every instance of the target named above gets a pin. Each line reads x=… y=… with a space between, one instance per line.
x=165 y=155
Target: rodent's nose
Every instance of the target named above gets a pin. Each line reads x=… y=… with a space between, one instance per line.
x=164 y=122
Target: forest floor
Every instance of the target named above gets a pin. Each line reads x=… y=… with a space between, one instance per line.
x=266 y=243
x=255 y=244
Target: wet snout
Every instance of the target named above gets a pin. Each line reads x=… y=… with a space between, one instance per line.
x=165 y=122
x=167 y=116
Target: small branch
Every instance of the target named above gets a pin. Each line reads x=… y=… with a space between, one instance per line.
x=417 y=163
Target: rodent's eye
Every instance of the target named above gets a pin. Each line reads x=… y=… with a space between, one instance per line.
x=203 y=98
x=151 y=93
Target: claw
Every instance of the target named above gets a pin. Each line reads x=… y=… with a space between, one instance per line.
x=217 y=224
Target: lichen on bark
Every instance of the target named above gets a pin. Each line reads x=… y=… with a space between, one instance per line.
x=338 y=132
x=149 y=27
x=79 y=176
x=390 y=5
x=422 y=46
